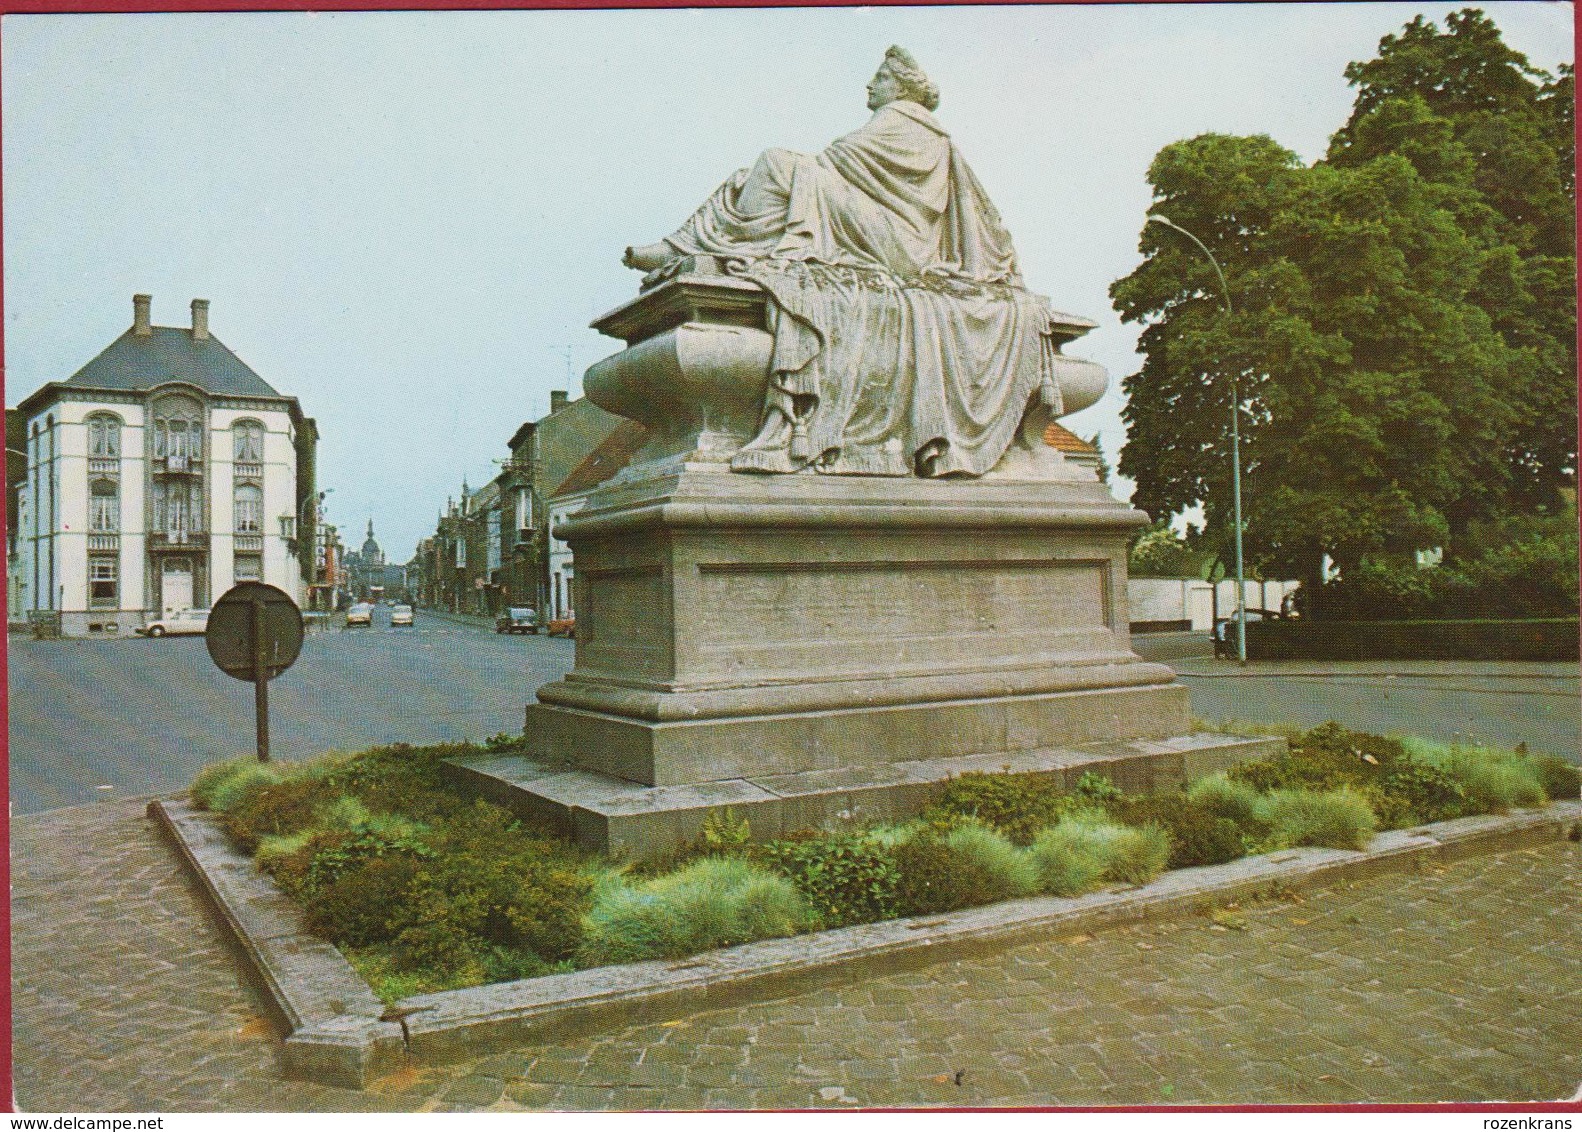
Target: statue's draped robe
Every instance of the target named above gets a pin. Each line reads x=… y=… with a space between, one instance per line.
x=904 y=341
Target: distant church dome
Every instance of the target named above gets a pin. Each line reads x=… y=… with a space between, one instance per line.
x=372 y=555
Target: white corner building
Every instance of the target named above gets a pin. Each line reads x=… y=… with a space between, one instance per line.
x=158 y=475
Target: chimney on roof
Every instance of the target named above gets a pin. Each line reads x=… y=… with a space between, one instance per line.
x=558 y=399
x=141 y=321
x=200 y=320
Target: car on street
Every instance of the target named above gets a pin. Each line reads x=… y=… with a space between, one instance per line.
x=563 y=626
x=401 y=615
x=181 y=622
x=517 y=619
x=360 y=614
x=1224 y=633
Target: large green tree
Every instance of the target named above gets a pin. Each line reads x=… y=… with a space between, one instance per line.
x=1403 y=328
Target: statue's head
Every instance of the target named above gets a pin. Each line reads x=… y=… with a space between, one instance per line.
x=899 y=76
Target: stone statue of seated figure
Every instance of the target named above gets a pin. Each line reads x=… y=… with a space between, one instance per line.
x=905 y=343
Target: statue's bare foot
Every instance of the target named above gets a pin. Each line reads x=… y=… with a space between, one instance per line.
x=649 y=258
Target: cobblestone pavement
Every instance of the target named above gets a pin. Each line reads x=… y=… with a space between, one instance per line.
x=1460 y=984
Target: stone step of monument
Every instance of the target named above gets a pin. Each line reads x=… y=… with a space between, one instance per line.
x=617 y=816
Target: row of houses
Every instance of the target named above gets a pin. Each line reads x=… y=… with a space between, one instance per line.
x=154 y=478
x=493 y=547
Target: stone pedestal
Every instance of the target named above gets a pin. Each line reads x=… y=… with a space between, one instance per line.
x=730 y=626
x=813 y=648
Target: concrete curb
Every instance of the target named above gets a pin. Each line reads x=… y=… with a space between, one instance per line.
x=339 y=1038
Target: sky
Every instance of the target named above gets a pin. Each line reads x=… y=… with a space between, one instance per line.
x=407 y=219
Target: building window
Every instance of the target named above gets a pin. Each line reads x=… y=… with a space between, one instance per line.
x=104 y=436
x=248 y=437
x=249 y=568
x=249 y=509
x=104 y=506
x=101 y=583
x=178 y=427
x=177 y=506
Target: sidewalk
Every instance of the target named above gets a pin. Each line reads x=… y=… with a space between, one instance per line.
x=1462 y=984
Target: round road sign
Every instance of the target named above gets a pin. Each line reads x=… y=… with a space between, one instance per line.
x=250 y=608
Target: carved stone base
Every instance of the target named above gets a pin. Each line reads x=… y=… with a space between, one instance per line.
x=731 y=626
x=612 y=815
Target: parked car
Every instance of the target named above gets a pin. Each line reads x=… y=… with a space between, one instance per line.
x=401 y=615
x=183 y=621
x=517 y=619
x=563 y=626
x=360 y=614
x=1224 y=633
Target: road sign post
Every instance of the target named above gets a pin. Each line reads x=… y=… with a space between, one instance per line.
x=255 y=634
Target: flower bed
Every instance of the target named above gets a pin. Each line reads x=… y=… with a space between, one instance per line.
x=426 y=889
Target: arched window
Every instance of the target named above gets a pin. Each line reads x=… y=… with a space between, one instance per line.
x=178 y=427
x=249 y=440
x=104 y=506
x=249 y=509
x=104 y=436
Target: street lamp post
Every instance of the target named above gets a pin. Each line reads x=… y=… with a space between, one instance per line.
x=1235 y=445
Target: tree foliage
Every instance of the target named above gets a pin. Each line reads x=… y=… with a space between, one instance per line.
x=1403 y=335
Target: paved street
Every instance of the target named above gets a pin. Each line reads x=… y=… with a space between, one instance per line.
x=1463 y=983
x=96 y=720
x=142 y=716
x=1499 y=702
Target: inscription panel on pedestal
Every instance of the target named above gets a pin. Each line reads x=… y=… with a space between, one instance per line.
x=624 y=622
x=874 y=618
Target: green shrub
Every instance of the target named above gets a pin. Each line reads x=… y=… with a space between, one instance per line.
x=1413 y=793
x=275 y=810
x=1018 y=805
x=1561 y=780
x=932 y=879
x=846 y=878
x=714 y=902
x=1198 y=835
x=1337 y=819
x=1400 y=786
x=960 y=868
x=1094 y=790
x=356 y=908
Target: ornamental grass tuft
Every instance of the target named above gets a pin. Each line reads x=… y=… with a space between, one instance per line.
x=1125 y=854
x=1493 y=780
x=1334 y=819
x=220 y=786
x=1225 y=799
x=1067 y=862
x=993 y=853
x=713 y=902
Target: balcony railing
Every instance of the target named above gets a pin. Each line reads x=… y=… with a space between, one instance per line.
x=103 y=543
x=104 y=466
x=247 y=471
x=178 y=465
x=178 y=540
x=249 y=544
